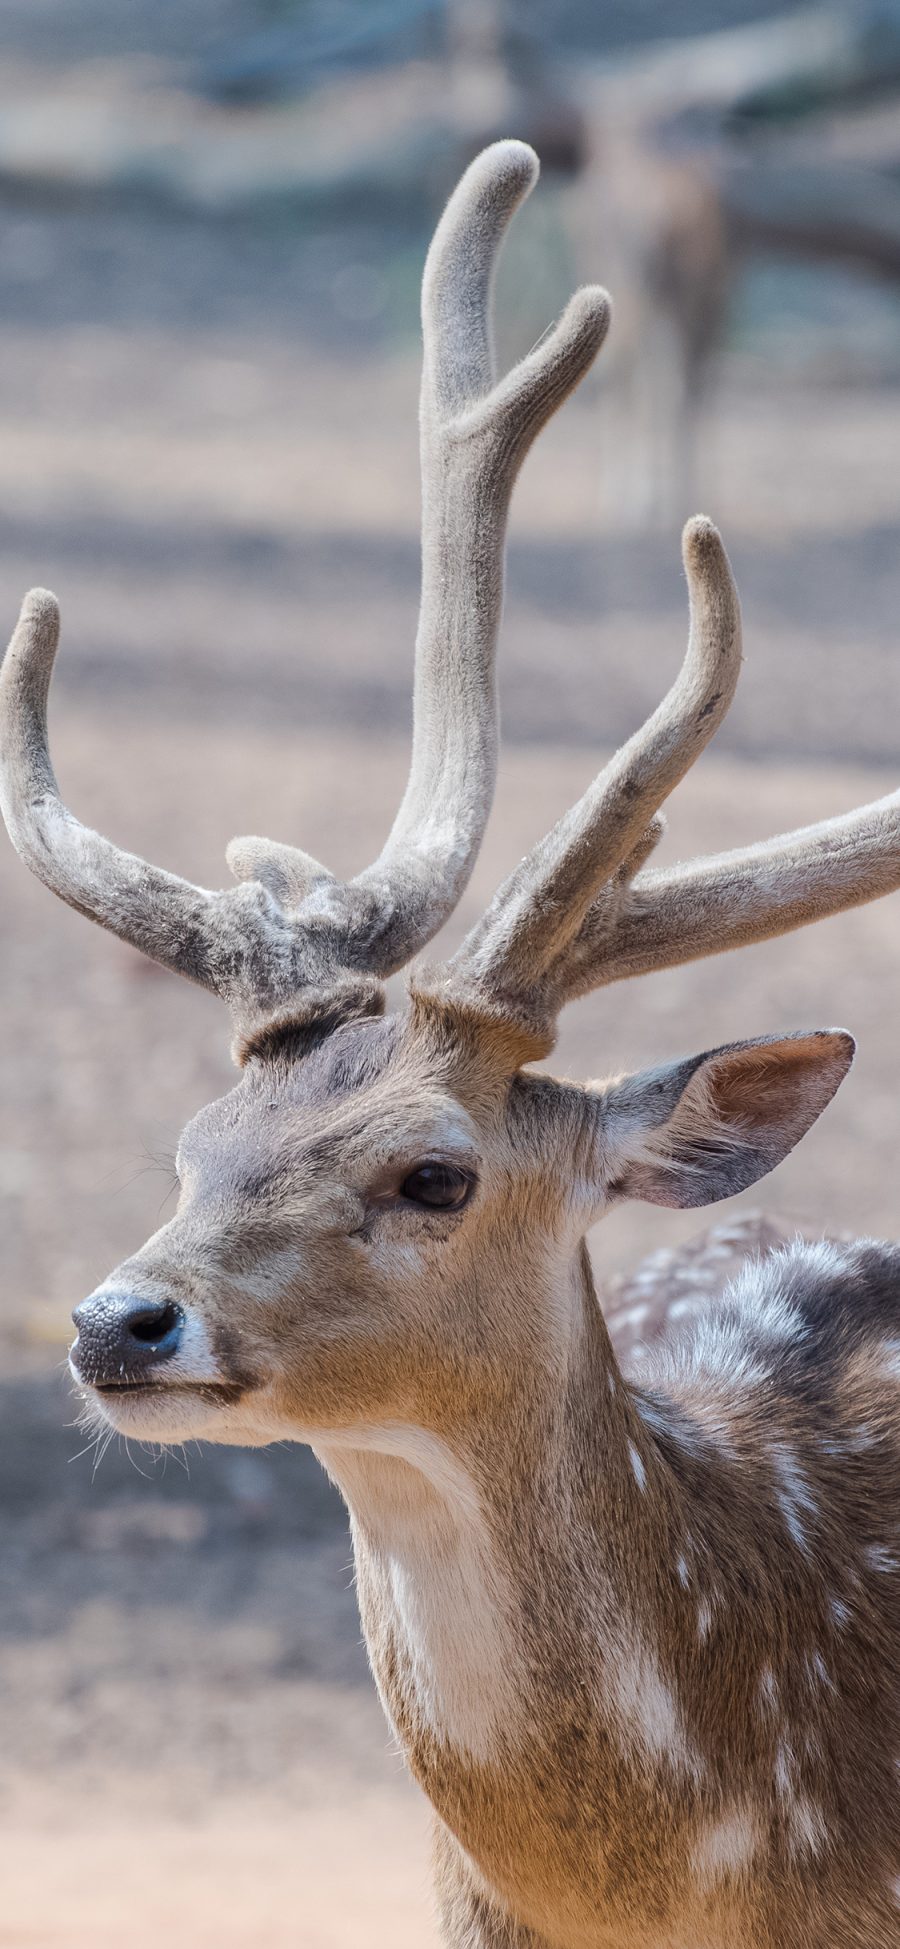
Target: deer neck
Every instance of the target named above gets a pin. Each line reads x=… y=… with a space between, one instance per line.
x=484 y=1548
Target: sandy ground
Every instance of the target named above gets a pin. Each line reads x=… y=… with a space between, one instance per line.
x=191 y=1746
x=321 y=1878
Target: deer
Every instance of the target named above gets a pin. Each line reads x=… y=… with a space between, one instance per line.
x=686 y=188
x=638 y=1635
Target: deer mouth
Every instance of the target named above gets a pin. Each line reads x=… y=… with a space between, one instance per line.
x=224 y=1391
x=174 y=1409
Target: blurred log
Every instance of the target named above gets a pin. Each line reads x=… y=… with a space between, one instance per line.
x=831 y=212
x=771 y=70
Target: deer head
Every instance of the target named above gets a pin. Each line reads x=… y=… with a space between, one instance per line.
x=385 y=1218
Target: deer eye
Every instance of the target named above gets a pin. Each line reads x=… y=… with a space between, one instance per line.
x=438 y=1187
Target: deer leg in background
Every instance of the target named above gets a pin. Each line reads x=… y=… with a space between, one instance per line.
x=654 y=220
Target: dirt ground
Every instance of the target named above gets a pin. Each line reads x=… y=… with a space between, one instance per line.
x=228 y=509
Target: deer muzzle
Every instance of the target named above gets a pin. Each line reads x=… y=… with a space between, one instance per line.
x=124 y=1339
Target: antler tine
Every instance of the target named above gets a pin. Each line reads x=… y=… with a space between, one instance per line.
x=753 y=894
x=115 y=888
x=474 y=436
x=457 y=283
x=517 y=953
x=241 y=944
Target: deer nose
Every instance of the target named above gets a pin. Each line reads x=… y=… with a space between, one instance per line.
x=122 y=1337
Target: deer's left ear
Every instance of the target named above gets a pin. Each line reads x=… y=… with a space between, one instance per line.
x=696 y=1131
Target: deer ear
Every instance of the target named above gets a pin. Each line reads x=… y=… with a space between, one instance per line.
x=696 y=1131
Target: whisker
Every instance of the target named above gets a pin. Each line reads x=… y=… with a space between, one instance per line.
x=135 y=1465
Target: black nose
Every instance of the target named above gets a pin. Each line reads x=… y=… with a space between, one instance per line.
x=121 y=1337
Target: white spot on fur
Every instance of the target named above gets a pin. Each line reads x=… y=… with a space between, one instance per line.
x=631 y=1317
x=840 y=1612
x=806 y=1823
x=806 y=1829
x=778 y=1320
x=684 y=1575
x=858 y=1439
x=655 y=1414
x=704 y=1620
x=767 y=1308
x=817 y=1671
x=768 y=1690
x=880 y=1559
x=681 y=1308
x=727 y=1846
x=784 y=1771
x=795 y=1498
x=647 y=1709
x=711 y=1368
x=637 y=1467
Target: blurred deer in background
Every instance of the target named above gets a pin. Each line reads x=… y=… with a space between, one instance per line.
x=702 y=156
x=640 y=1642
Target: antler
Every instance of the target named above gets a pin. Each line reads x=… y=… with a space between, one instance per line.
x=516 y=957
x=705 y=906
x=291 y=941
x=579 y=912
x=474 y=436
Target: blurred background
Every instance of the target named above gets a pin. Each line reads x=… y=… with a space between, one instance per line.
x=213 y=218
